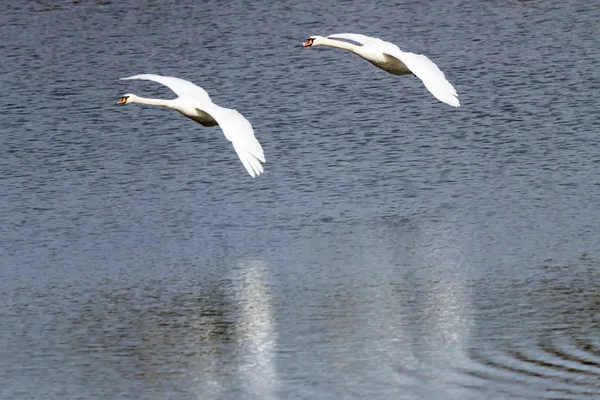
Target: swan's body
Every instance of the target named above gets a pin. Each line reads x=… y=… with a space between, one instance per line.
x=390 y=58
x=194 y=103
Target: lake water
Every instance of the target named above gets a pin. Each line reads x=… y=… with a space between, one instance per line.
x=395 y=247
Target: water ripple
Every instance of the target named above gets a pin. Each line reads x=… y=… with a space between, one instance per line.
x=548 y=369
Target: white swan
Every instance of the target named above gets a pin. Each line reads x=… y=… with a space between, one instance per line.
x=194 y=103
x=390 y=58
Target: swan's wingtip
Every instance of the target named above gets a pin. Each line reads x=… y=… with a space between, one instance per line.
x=140 y=76
x=254 y=173
x=451 y=101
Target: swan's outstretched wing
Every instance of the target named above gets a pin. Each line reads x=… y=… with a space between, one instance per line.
x=426 y=70
x=239 y=132
x=355 y=37
x=181 y=87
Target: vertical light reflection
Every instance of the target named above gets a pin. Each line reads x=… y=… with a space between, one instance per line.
x=367 y=319
x=255 y=331
x=398 y=312
x=446 y=302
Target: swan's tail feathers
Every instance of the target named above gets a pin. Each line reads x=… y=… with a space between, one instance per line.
x=251 y=156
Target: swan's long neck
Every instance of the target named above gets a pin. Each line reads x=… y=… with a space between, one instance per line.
x=341 y=45
x=153 y=102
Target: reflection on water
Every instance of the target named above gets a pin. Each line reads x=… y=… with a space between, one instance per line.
x=386 y=313
x=256 y=336
x=402 y=311
x=209 y=341
x=446 y=304
x=401 y=316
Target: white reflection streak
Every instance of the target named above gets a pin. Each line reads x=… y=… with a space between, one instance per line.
x=257 y=335
x=447 y=295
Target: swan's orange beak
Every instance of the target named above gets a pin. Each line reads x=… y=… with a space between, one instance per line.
x=123 y=100
x=309 y=42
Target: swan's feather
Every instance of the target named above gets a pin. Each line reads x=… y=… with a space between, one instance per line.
x=426 y=70
x=240 y=133
x=355 y=37
x=181 y=87
x=251 y=163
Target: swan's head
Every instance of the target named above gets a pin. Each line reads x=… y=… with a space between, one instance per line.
x=313 y=41
x=127 y=98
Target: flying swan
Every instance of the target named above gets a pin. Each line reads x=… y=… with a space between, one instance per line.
x=194 y=103
x=390 y=58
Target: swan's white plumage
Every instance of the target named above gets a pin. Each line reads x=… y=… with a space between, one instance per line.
x=181 y=87
x=236 y=128
x=375 y=51
x=240 y=133
x=428 y=72
x=355 y=37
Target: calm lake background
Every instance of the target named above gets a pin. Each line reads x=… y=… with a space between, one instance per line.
x=395 y=247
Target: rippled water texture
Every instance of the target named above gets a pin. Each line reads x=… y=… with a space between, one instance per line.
x=395 y=248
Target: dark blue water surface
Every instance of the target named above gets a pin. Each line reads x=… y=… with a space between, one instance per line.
x=395 y=247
